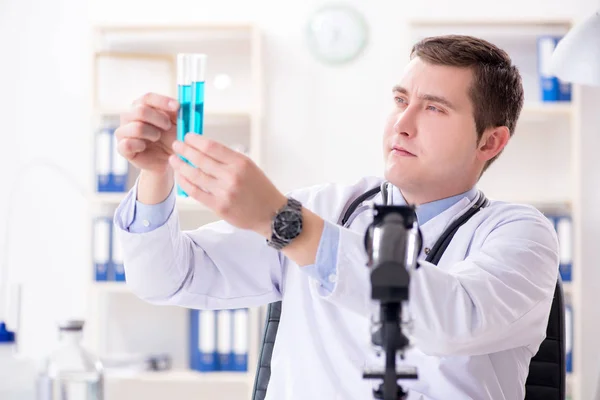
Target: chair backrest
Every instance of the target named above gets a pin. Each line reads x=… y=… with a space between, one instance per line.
x=263 y=371
x=547 y=370
x=546 y=379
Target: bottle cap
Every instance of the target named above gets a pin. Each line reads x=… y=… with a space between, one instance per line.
x=6 y=336
x=71 y=325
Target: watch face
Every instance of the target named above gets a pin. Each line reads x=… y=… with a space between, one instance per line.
x=287 y=225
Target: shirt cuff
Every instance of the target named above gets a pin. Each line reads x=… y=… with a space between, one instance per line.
x=136 y=217
x=324 y=270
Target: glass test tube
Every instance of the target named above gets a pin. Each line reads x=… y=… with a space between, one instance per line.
x=184 y=96
x=197 y=103
x=190 y=91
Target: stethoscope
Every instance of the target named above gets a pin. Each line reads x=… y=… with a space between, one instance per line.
x=357 y=207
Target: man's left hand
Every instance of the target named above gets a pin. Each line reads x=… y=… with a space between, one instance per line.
x=228 y=182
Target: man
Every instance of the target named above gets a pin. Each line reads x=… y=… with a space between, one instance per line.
x=479 y=315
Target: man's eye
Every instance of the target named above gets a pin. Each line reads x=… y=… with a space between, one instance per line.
x=399 y=100
x=433 y=108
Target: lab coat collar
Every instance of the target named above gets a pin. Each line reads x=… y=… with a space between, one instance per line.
x=426 y=212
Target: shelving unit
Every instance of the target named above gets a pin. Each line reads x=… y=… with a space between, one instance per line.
x=181 y=385
x=129 y=61
x=541 y=164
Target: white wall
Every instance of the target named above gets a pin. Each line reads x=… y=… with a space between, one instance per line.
x=590 y=279
x=323 y=123
x=44 y=77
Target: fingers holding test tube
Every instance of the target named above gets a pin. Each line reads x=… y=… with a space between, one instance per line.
x=201 y=160
x=147 y=131
x=226 y=181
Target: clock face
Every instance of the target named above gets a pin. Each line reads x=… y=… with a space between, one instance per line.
x=336 y=34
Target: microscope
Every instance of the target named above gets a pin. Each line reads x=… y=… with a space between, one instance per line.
x=393 y=242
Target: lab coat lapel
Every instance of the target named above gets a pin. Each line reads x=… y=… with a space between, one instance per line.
x=434 y=228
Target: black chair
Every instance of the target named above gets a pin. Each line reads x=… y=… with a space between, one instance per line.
x=547 y=370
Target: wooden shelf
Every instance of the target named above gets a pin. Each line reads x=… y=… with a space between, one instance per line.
x=181 y=385
x=233 y=116
x=567 y=287
x=492 y=22
x=521 y=28
x=114 y=199
x=111 y=287
x=548 y=109
x=211 y=117
x=170 y=40
x=571 y=381
x=541 y=203
x=184 y=376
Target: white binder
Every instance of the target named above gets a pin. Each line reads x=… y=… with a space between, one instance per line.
x=118 y=270
x=119 y=167
x=565 y=238
x=103 y=164
x=225 y=340
x=240 y=339
x=101 y=248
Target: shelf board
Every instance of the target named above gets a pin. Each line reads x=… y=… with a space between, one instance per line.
x=114 y=199
x=189 y=204
x=111 y=287
x=540 y=203
x=211 y=117
x=519 y=28
x=548 y=109
x=195 y=28
x=492 y=22
x=169 y=40
x=571 y=379
x=568 y=287
x=184 y=376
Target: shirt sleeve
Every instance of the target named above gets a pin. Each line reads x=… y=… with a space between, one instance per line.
x=324 y=270
x=137 y=217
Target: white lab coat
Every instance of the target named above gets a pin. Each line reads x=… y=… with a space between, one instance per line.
x=478 y=316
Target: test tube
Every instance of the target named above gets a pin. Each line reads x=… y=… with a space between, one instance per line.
x=190 y=91
x=184 y=96
x=198 y=66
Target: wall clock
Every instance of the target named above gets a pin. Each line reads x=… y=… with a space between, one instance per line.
x=336 y=34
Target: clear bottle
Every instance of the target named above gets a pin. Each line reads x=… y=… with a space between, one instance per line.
x=17 y=374
x=71 y=372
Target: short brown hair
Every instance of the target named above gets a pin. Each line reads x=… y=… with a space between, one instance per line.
x=497 y=90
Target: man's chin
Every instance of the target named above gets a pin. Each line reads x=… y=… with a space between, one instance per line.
x=398 y=177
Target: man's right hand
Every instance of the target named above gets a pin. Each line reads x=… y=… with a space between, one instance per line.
x=145 y=139
x=147 y=132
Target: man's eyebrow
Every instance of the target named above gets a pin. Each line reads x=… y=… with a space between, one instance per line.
x=428 y=97
x=399 y=89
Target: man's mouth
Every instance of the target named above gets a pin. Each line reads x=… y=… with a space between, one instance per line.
x=401 y=151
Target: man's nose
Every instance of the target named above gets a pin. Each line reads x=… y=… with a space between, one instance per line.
x=406 y=122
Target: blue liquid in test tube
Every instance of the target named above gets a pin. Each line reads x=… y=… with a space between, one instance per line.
x=190 y=92
x=184 y=96
x=197 y=103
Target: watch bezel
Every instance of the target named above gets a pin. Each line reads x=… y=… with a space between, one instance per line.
x=277 y=229
x=278 y=238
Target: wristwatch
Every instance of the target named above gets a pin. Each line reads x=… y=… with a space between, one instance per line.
x=286 y=224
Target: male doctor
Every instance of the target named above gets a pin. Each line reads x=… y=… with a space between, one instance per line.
x=479 y=315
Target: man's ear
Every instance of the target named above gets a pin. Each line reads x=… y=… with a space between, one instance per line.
x=492 y=142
